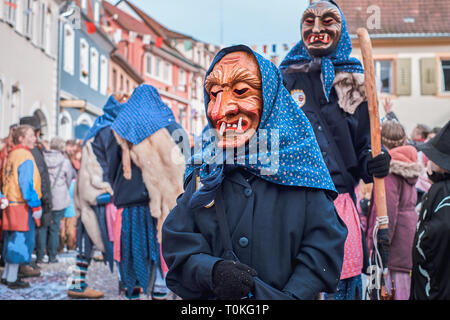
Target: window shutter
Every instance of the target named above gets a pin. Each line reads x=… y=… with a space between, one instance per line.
x=428 y=76
x=403 y=79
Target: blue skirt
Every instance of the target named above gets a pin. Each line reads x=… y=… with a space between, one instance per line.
x=139 y=247
x=19 y=245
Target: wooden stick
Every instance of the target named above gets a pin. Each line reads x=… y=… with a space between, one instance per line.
x=375 y=135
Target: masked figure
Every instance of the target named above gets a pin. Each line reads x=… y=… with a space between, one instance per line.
x=92 y=196
x=256 y=219
x=328 y=86
x=430 y=259
x=145 y=170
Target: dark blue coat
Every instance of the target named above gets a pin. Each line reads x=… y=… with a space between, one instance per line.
x=127 y=192
x=292 y=236
x=350 y=132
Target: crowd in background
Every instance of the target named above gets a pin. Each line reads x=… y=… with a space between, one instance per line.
x=405 y=186
x=54 y=230
x=52 y=219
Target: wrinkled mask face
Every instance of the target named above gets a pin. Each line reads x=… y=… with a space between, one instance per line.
x=321 y=28
x=235 y=92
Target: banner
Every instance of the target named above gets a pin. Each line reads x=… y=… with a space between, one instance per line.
x=187 y=45
x=159 y=42
x=146 y=39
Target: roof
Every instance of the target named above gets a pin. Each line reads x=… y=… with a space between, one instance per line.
x=125 y=20
x=412 y=17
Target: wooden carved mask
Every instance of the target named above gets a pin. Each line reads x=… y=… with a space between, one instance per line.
x=235 y=92
x=321 y=28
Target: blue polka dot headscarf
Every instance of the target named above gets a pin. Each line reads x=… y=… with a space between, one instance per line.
x=142 y=115
x=299 y=161
x=110 y=110
x=338 y=60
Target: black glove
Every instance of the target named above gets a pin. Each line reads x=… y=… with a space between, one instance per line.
x=232 y=280
x=364 y=205
x=383 y=246
x=378 y=166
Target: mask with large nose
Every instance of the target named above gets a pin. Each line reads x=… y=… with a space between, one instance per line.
x=235 y=93
x=321 y=28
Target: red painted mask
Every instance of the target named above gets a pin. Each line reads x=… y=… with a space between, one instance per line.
x=235 y=93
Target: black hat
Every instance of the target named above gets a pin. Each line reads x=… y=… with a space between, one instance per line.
x=438 y=148
x=32 y=121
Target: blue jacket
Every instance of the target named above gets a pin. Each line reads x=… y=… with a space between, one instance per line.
x=350 y=132
x=292 y=236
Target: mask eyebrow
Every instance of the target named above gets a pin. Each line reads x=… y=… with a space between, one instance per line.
x=217 y=77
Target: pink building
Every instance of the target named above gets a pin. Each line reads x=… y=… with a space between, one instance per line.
x=143 y=44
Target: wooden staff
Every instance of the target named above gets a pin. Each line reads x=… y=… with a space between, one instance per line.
x=375 y=135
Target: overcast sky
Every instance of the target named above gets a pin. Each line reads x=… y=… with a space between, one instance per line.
x=250 y=22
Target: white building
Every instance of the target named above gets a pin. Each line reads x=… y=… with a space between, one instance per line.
x=28 y=62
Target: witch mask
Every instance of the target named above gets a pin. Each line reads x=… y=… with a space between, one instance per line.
x=235 y=92
x=321 y=28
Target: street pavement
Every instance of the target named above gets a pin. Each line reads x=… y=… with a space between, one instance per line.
x=52 y=284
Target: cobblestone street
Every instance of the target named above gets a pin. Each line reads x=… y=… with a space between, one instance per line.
x=51 y=285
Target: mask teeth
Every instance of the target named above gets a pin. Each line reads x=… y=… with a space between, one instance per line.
x=239 y=127
x=222 y=128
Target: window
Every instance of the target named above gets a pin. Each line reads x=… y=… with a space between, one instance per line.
x=28 y=19
x=103 y=75
x=167 y=75
x=84 y=61
x=94 y=68
x=148 y=64
x=114 y=80
x=43 y=25
x=65 y=125
x=16 y=97
x=158 y=67
x=84 y=5
x=383 y=71
x=96 y=12
x=182 y=80
x=69 y=49
x=445 y=82
x=121 y=83
x=10 y=11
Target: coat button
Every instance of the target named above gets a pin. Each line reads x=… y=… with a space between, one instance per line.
x=319 y=128
x=324 y=153
x=248 y=192
x=243 y=242
x=323 y=101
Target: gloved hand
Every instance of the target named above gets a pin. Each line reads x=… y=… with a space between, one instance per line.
x=37 y=212
x=4 y=203
x=364 y=204
x=383 y=246
x=104 y=198
x=378 y=166
x=232 y=280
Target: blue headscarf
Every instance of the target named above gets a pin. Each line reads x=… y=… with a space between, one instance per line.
x=338 y=60
x=299 y=160
x=142 y=115
x=110 y=111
